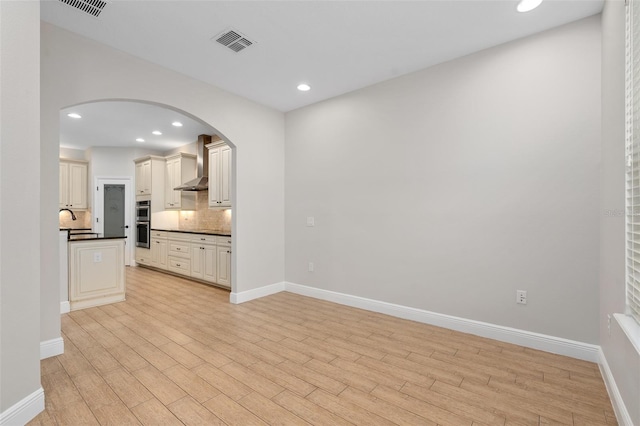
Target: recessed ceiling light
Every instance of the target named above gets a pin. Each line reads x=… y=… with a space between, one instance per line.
x=157 y=132
x=177 y=124
x=139 y=140
x=527 y=5
x=304 y=87
x=74 y=115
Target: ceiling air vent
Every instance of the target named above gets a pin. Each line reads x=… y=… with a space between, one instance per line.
x=234 y=40
x=92 y=7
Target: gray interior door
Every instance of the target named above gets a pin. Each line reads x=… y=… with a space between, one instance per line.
x=114 y=225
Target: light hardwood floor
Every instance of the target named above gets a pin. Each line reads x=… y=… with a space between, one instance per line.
x=176 y=352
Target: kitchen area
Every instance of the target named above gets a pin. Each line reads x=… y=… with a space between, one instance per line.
x=172 y=214
x=198 y=188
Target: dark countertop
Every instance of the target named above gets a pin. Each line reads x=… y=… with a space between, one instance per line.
x=91 y=237
x=199 y=231
x=83 y=234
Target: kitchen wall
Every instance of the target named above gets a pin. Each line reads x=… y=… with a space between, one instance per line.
x=118 y=162
x=622 y=357
x=73 y=154
x=450 y=188
x=204 y=218
x=83 y=219
x=21 y=395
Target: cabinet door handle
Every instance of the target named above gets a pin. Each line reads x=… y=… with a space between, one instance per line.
x=177 y=264
x=229 y=251
x=201 y=248
x=178 y=248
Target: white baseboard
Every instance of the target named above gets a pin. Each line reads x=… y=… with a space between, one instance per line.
x=543 y=342
x=525 y=338
x=245 y=296
x=622 y=414
x=52 y=347
x=23 y=411
x=65 y=307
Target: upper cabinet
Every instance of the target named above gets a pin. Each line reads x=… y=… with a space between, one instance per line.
x=143 y=177
x=219 y=175
x=73 y=184
x=150 y=172
x=180 y=168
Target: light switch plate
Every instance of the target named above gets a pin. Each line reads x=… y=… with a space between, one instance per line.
x=311 y=221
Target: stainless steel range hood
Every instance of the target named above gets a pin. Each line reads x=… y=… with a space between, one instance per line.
x=200 y=183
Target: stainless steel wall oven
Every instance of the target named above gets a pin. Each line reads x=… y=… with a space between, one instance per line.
x=143 y=224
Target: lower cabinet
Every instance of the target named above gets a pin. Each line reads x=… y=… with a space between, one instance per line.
x=203 y=262
x=179 y=253
x=200 y=256
x=179 y=266
x=143 y=256
x=223 y=254
x=158 y=250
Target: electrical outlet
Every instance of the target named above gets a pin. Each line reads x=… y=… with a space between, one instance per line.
x=97 y=257
x=310 y=266
x=521 y=297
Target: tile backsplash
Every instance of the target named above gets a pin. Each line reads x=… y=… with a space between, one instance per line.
x=83 y=219
x=204 y=218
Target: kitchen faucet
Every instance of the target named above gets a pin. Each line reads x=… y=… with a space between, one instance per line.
x=73 y=216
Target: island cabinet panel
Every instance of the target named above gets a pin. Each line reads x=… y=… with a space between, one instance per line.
x=96 y=272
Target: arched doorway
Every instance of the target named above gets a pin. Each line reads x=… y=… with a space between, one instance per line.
x=109 y=136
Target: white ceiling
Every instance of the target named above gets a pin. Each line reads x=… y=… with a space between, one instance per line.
x=335 y=46
x=120 y=123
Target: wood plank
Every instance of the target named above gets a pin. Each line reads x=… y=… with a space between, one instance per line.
x=177 y=352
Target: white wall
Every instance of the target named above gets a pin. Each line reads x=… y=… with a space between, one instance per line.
x=19 y=211
x=73 y=154
x=623 y=359
x=77 y=70
x=450 y=188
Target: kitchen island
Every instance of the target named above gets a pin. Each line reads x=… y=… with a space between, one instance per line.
x=95 y=270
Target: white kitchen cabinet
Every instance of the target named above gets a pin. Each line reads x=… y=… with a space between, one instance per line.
x=143 y=256
x=180 y=168
x=220 y=174
x=73 y=184
x=203 y=261
x=179 y=253
x=96 y=272
x=203 y=257
x=158 y=253
x=223 y=261
x=149 y=185
x=143 y=177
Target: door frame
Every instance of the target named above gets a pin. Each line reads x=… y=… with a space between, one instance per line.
x=98 y=203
